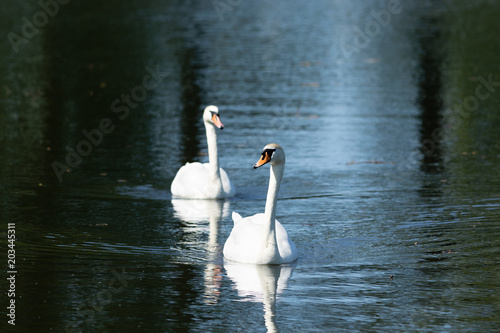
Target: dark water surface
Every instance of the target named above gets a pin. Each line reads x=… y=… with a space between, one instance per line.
x=389 y=116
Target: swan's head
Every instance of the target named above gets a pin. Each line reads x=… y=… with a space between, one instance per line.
x=211 y=116
x=272 y=153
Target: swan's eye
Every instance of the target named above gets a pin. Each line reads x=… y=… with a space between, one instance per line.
x=265 y=158
x=269 y=153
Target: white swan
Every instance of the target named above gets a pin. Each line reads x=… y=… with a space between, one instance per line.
x=204 y=180
x=261 y=239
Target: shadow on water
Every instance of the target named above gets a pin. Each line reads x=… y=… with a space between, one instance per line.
x=71 y=105
x=108 y=59
x=429 y=92
x=96 y=56
x=191 y=100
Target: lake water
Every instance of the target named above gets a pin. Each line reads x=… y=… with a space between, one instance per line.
x=388 y=112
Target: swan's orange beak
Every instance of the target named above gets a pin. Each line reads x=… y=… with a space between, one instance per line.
x=216 y=121
x=265 y=158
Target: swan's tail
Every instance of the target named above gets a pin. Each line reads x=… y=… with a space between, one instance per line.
x=236 y=217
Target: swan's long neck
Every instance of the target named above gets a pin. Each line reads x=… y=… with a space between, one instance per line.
x=272 y=198
x=213 y=157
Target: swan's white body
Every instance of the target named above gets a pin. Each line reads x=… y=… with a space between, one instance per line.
x=261 y=239
x=199 y=181
x=204 y=180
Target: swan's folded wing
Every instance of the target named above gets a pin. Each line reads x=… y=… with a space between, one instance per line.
x=190 y=181
x=227 y=185
x=286 y=247
x=242 y=245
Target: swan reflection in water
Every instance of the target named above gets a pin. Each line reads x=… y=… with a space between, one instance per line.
x=195 y=213
x=260 y=283
x=253 y=282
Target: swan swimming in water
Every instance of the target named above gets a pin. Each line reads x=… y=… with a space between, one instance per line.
x=204 y=180
x=261 y=239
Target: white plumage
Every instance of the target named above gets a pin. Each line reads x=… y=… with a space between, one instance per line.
x=204 y=180
x=261 y=239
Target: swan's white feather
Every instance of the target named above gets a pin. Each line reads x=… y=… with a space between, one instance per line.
x=236 y=217
x=192 y=182
x=245 y=241
x=261 y=239
x=204 y=180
